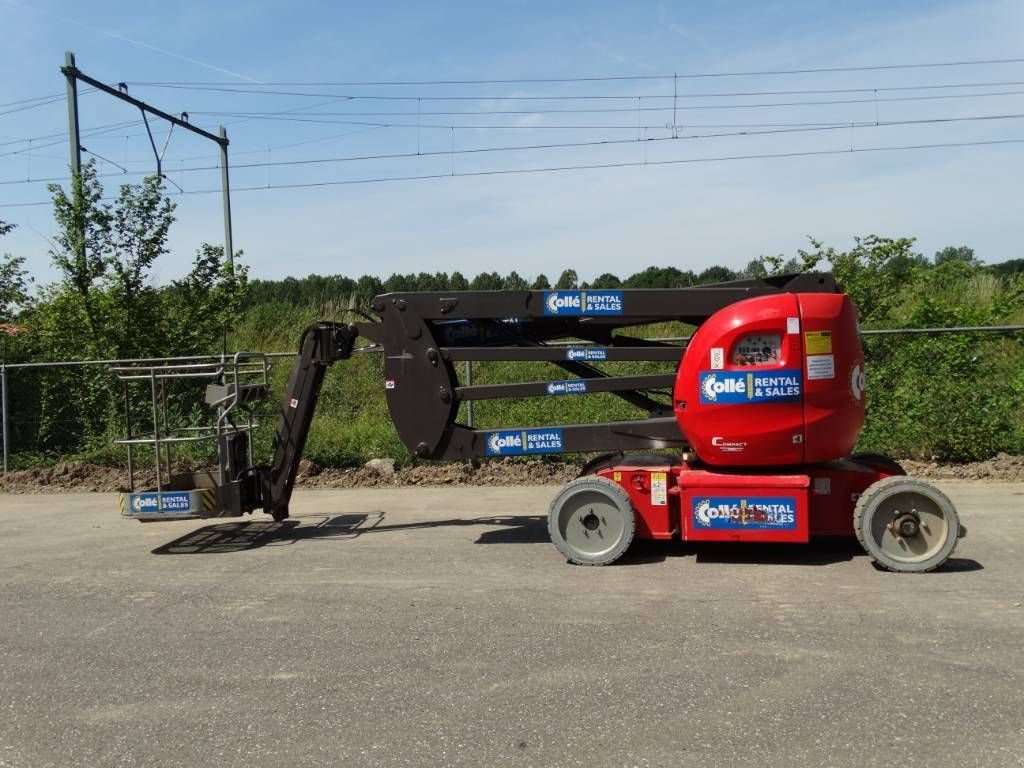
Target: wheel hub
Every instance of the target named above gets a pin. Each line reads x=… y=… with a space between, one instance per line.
x=590 y=520
x=906 y=525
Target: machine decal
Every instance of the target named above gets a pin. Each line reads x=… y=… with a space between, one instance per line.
x=566 y=303
x=717 y=358
x=818 y=342
x=821 y=367
x=172 y=501
x=857 y=382
x=389 y=384
x=728 y=446
x=571 y=387
x=585 y=353
x=512 y=442
x=792 y=325
x=736 y=387
x=659 y=489
x=750 y=513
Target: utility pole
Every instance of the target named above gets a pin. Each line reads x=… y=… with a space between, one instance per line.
x=74 y=142
x=73 y=75
x=225 y=184
x=73 y=137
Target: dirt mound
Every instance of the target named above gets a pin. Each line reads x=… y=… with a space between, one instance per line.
x=498 y=472
x=81 y=476
x=1002 y=468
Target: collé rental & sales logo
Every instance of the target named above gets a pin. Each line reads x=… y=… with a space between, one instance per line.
x=566 y=303
x=172 y=501
x=571 y=387
x=514 y=442
x=735 y=387
x=745 y=513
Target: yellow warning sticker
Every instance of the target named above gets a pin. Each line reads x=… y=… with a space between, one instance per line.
x=659 y=488
x=818 y=342
x=617 y=476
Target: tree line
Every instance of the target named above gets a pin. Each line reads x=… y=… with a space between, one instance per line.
x=319 y=290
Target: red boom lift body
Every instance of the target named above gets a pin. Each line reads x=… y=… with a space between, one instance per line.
x=763 y=411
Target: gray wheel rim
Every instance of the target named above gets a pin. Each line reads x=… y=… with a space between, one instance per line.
x=591 y=523
x=932 y=535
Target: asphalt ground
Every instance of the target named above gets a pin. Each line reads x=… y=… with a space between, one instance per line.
x=429 y=627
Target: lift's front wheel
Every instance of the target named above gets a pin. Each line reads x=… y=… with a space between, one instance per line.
x=591 y=521
x=906 y=525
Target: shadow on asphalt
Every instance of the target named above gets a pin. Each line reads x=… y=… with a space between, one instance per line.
x=223 y=538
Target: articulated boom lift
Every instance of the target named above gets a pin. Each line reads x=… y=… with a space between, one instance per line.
x=766 y=405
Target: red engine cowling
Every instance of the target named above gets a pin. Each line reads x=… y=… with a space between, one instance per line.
x=773 y=380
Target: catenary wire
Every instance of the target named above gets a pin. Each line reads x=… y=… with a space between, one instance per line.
x=614 y=78
x=583 y=167
x=559 y=145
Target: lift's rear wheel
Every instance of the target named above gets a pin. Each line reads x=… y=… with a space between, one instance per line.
x=591 y=521
x=906 y=525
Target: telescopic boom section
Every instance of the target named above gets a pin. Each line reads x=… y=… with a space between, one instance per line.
x=424 y=334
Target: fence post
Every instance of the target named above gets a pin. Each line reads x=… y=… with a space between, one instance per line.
x=469 y=403
x=3 y=410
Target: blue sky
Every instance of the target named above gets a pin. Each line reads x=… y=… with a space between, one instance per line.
x=689 y=215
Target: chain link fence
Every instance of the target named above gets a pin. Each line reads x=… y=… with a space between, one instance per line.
x=69 y=408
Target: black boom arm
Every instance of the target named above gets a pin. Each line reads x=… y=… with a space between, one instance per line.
x=424 y=336
x=321 y=345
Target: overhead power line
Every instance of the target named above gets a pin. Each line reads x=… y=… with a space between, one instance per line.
x=582 y=167
x=691 y=107
x=84 y=132
x=551 y=97
x=535 y=147
x=89 y=133
x=26 y=107
x=619 y=78
x=34 y=98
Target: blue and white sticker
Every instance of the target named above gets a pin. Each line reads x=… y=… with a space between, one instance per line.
x=169 y=501
x=514 y=442
x=567 y=303
x=735 y=387
x=743 y=513
x=585 y=354
x=571 y=387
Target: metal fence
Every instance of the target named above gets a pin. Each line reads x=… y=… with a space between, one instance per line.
x=9 y=370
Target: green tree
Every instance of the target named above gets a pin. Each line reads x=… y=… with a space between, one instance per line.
x=873 y=272
x=541 y=283
x=400 y=283
x=14 y=281
x=368 y=286
x=607 y=280
x=207 y=302
x=141 y=220
x=568 y=279
x=487 y=281
x=716 y=274
x=515 y=282
x=956 y=253
x=80 y=251
x=459 y=282
x=661 y=277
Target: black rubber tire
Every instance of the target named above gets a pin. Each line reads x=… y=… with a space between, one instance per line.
x=619 y=504
x=869 y=505
x=880 y=462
